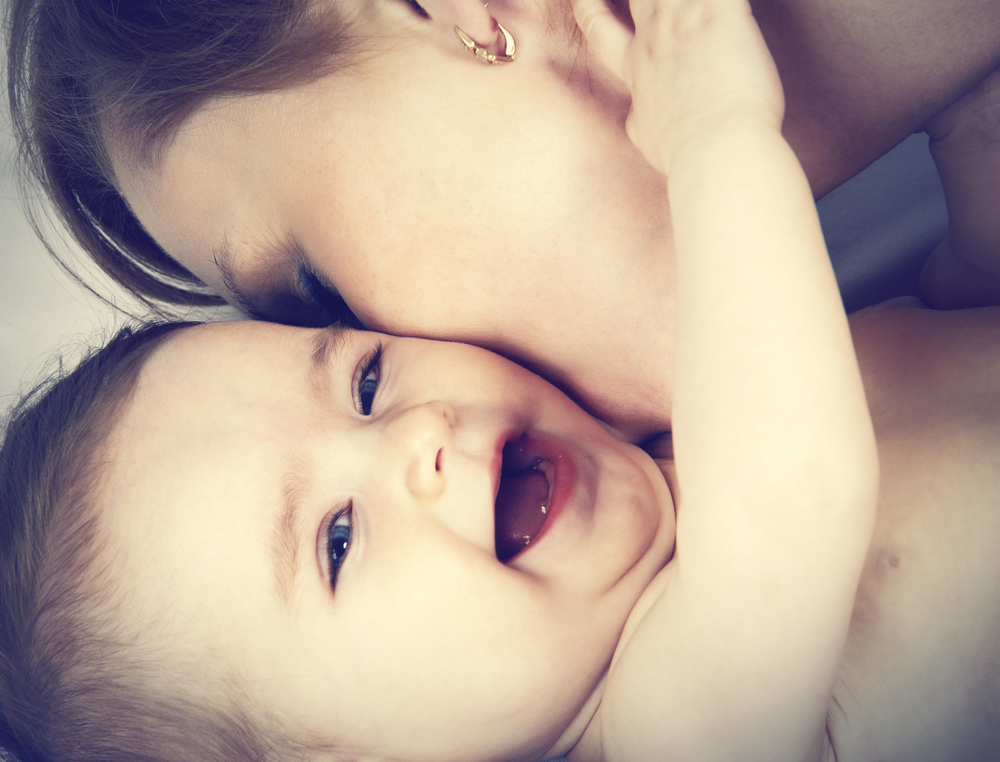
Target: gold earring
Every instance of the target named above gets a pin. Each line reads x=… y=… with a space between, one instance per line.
x=483 y=54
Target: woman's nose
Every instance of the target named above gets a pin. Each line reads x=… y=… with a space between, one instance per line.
x=422 y=433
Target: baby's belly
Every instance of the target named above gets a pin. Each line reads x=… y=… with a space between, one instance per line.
x=920 y=679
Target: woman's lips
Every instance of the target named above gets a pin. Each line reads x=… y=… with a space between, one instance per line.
x=535 y=482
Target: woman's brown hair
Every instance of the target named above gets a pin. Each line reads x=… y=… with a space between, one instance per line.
x=140 y=67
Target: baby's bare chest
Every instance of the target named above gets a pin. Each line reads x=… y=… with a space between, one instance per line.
x=920 y=679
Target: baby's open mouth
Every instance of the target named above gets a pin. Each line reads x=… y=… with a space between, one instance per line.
x=523 y=498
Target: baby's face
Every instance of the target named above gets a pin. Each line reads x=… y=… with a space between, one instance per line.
x=318 y=520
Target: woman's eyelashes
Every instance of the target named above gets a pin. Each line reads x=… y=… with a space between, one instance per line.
x=326 y=299
x=338 y=542
x=367 y=380
x=417 y=7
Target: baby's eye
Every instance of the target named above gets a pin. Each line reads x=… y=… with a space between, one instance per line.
x=367 y=381
x=338 y=542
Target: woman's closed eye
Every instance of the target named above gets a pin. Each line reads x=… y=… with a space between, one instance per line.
x=418 y=8
x=338 y=542
x=325 y=299
x=367 y=380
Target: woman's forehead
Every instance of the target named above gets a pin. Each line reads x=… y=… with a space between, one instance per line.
x=208 y=180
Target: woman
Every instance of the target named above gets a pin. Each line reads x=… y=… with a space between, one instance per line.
x=308 y=161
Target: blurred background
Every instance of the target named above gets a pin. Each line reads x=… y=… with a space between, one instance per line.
x=41 y=308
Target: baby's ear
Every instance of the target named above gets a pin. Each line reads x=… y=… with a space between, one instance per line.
x=473 y=17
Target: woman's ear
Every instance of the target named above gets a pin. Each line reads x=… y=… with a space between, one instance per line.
x=473 y=17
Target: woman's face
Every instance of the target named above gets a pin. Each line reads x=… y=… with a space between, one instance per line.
x=441 y=198
x=313 y=511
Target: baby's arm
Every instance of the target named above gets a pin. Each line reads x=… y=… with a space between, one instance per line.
x=964 y=269
x=736 y=655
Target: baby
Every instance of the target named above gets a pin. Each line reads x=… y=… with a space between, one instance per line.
x=250 y=541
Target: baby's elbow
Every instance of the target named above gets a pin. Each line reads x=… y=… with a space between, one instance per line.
x=844 y=489
x=825 y=491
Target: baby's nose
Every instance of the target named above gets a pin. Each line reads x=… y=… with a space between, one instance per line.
x=424 y=433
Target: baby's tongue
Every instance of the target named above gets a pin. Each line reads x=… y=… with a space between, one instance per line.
x=520 y=510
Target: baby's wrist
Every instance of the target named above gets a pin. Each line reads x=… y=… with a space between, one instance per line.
x=720 y=135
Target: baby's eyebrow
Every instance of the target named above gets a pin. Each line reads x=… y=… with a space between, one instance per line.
x=295 y=482
x=328 y=340
x=327 y=347
x=285 y=546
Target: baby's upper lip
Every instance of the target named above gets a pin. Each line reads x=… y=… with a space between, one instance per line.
x=496 y=465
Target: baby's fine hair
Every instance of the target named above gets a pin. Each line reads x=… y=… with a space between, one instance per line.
x=83 y=73
x=72 y=686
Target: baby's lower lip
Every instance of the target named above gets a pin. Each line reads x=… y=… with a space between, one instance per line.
x=564 y=483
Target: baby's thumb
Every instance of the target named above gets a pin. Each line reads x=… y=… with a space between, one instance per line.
x=607 y=35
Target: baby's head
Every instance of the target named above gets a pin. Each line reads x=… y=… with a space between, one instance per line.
x=299 y=527
x=71 y=685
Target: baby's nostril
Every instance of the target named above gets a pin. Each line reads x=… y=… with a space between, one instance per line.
x=437 y=461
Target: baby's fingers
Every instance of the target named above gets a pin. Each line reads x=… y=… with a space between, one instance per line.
x=607 y=35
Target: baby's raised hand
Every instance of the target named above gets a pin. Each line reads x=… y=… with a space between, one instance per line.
x=691 y=65
x=775 y=474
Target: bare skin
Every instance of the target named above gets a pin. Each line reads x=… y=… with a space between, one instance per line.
x=917 y=681
x=915 y=676
x=919 y=678
x=964 y=269
x=860 y=77
x=505 y=206
x=752 y=639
